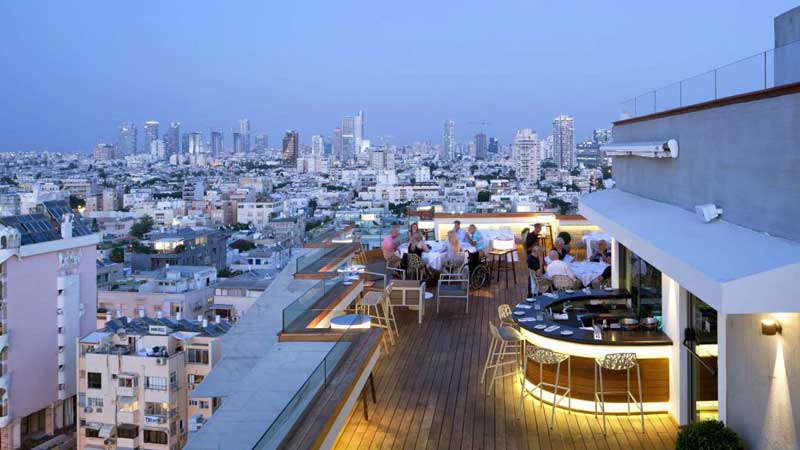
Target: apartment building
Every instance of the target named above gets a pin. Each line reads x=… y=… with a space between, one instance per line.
x=47 y=300
x=180 y=247
x=167 y=292
x=258 y=213
x=135 y=376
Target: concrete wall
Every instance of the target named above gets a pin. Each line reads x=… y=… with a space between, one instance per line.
x=743 y=157
x=787 y=47
x=763 y=381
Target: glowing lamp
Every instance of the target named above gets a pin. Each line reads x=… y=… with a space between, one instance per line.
x=503 y=244
x=770 y=327
x=350 y=322
x=425 y=225
x=368 y=217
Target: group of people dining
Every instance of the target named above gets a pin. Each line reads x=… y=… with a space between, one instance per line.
x=557 y=261
x=461 y=246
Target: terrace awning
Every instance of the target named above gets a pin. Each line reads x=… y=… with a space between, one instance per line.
x=106 y=431
x=732 y=268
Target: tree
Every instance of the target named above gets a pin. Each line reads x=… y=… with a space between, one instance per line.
x=141 y=227
x=242 y=245
x=484 y=196
x=117 y=255
x=180 y=248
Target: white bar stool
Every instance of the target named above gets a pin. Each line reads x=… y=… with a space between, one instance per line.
x=617 y=362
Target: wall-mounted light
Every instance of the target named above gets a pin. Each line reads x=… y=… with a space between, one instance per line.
x=770 y=327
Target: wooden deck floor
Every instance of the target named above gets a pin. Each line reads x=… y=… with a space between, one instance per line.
x=429 y=394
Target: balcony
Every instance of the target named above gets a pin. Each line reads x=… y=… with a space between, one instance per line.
x=128 y=417
x=5 y=416
x=154 y=420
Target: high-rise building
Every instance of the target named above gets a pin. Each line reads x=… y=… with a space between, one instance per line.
x=481 y=146
x=262 y=142
x=195 y=143
x=158 y=149
x=238 y=142
x=336 y=144
x=358 y=131
x=601 y=136
x=217 y=147
x=348 y=138
x=564 y=142
x=126 y=142
x=184 y=143
x=449 y=140
x=494 y=146
x=526 y=155
x=173 y=139
x=104 y=152
x=291 y=147
x=150 y=134
x=244 y=129
x=317 y=145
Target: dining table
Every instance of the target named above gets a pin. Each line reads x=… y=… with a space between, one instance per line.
x=435 y=257
x=587 y=271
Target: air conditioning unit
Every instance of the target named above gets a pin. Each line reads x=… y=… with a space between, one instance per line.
x=99 y=410
x=88 y=409
x=161 y=361
x=113 y=376
x=109 y=442
x=658 y=149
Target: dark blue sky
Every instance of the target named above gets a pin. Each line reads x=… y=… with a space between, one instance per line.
x=72 y=70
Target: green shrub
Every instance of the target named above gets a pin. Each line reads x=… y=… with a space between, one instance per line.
x=708 y=435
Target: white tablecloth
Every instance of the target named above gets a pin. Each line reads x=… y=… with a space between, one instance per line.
x=567 y=259
x=587 y=271
x=505 y=235
x=434 y=258
x=594 y=237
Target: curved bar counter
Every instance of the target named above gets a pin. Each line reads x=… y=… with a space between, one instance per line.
x=652 y=348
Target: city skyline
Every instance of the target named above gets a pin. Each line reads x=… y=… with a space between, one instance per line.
x=408 y=94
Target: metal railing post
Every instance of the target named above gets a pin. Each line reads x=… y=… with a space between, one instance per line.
x=715 y=84
x=765 y=70
x=635 y=112
x=680 y=93
x=655 y=101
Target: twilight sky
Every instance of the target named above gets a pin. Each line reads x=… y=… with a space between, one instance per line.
x=73 y=70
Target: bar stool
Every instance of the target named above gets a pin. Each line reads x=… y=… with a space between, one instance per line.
x=376 y=306
x=617 y=362
x=503 y=261
x=543 y=356
x=505 y=316
x=506 y=342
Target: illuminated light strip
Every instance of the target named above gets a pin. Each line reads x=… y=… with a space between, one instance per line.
x=596 y=351
x=707 y=350
x=588 y=406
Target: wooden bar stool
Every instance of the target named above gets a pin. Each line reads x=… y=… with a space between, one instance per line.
x=617 y=362
x=375 y=305
x=543 y=356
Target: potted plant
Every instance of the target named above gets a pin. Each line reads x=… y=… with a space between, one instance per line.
x=708 y=435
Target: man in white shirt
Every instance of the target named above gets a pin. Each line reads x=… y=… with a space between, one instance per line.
x=460 y=233
x=558 y=267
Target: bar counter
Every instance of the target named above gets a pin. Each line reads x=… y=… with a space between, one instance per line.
x=653 y=348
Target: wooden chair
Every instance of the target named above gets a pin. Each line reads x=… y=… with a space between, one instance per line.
x=414 y=267
x=454 y=285
x=393 y=267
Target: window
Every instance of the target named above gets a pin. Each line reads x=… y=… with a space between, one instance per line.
x=128 y=431
x=94 y=402
x=92 y=433
x=127 y=382
x=94 y=380
x=197 y=356
x=155 y=409
x=203 y=404
x=155 y=437
x=173 y=380
x=192 y=402
x=155 y=383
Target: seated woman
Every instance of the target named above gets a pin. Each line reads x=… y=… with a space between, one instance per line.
x=603 y=254
x=561 y=248
x=454 y=256
x=417 y=245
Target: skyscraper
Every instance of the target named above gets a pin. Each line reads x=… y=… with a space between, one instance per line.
x=244 y=129
x=481 y=146
x=217 y=148
x=494 y=146
x=150 y=134
x=173 y=139
x=262 y=142
x=238 y=142
x=336 y=144
x=291 y=146
x=358 y=131
x=348 y=138
x=126 y=142
x=184 y=144
x=195 y=143
x=564 y=142
x=601 y=136
x=526 y=155
x=317 y=145
x=449 y=140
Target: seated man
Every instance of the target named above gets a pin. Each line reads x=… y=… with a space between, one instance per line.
x=475 y=239
x=603 y=253
x=535 y=270
x=389 y=249
x=559 y=267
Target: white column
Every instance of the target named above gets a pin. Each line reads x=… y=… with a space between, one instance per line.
x=674 y=308
x=615 y=262
x=722 y=382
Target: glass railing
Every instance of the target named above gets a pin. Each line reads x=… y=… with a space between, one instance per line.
x=319 y=378
x=303 y=304
x=775 y=67
x=304 y=261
